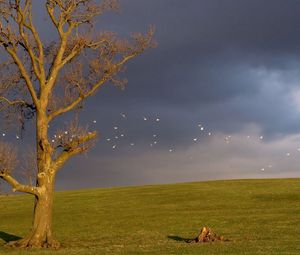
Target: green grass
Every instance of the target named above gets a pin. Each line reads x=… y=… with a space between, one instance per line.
x=258 y=216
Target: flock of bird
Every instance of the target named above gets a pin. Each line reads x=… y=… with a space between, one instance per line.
x=117 y=136
x=114 y=139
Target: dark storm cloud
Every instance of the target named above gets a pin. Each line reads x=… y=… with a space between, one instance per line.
x=207 y=65
x=231 y=65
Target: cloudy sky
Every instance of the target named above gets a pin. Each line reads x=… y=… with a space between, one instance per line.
x=232 y=66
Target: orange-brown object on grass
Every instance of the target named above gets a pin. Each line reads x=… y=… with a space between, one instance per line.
x=41 y=80
x=206 y=235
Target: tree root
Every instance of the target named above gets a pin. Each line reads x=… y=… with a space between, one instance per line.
x=206 y=235
x=34 y=243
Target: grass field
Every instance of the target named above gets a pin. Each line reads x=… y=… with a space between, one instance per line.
x=258 y=216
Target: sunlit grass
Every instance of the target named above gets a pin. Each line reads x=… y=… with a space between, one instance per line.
x=258 y=216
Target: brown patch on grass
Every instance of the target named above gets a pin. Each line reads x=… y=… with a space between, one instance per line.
x=206 y=235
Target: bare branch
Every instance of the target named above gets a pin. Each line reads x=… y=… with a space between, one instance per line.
x=25 y=75
x=111 y=56
x=78 y=12
x=82 y=147
x=15 y=102
x=72 y=14
x=24 y=20
x=8 y=157
x=12 y=102
x=17 y=186
x=11 y=41
x=8 y=161
x=71 y=141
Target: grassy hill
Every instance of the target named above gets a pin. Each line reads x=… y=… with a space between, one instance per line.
x=258 y=216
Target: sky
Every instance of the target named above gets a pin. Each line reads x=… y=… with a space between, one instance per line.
x=220 y=95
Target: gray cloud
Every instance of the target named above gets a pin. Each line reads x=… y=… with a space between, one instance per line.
x=209 y=159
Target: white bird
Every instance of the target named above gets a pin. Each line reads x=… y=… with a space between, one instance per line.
x=144 y=118
x=157 y=120
x=94 y=121
x=114 y=146
x=115 y=128
x=123 y=115
x=195 y=139
x=227 y=138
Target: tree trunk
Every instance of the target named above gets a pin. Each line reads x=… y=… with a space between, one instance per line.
x=41 y=232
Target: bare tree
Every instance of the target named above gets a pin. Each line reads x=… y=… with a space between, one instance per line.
x=42 y=80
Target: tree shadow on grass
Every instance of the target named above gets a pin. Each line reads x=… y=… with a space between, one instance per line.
x=180 y=239
x=8 y=237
